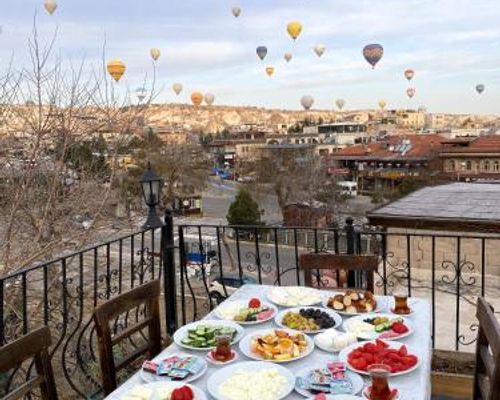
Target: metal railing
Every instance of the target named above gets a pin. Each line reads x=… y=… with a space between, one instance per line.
x=201 y=265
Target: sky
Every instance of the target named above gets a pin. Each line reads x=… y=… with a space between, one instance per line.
x=451 y=44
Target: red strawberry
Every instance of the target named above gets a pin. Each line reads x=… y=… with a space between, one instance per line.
x=254 y=303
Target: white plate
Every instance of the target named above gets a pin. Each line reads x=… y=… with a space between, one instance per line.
x=356 y=380
x=333 y=332
x=336 y=317
x=220 y=376
x=395 y=345
x=227 y=305
x=198 y=393
x=148 y=377
x=381 y=305
x=294 y=296
x=246 y=341
x=374 y=335
x=182 y=332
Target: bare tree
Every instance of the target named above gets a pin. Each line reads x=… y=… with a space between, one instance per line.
x=50 y=111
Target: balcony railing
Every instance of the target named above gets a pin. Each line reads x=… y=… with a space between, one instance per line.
x=450 y=270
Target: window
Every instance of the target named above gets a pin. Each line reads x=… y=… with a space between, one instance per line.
x=486 y=165
x=468 y=165
x=451 y=165
x=496 y=166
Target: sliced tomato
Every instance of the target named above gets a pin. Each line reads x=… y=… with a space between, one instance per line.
x=358 y=363
x=403 y=351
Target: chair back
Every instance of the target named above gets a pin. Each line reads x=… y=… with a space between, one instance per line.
x=34 y=345
x=146 y=295
x=335 y=262
x=487 y=376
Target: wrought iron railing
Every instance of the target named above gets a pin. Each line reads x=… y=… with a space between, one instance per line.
x=62 y=294
x=200 y=265
x=450 y=270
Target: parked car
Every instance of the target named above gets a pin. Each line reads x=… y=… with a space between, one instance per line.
x=230 y=282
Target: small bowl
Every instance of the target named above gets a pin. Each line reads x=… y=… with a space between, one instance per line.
x=213 y=361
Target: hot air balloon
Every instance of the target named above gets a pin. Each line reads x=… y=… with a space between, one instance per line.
x=409 y=74
x=340 y=104
x=319 y=49
x=262 y=52
x=197 y=98
x=116 y=69
x=373 y=53
x=307 y=102
x=50 y=6
x=236 y=11
x=177 y=88
x=288 y=57
x=294 y=29
x=410 y=92
x=382 y=104
x=155 y=54
x=480 y=88
x=270 y=70
x=209 y=99
x=141 y=93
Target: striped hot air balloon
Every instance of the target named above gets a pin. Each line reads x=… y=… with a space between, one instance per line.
x=373 y=53
x=116 y=68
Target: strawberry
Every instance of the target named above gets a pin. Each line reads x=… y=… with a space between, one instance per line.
x=254 y=303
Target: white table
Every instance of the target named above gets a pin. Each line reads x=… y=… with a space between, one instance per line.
x=414 y=386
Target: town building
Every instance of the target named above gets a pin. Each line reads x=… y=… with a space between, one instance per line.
x=387 y=162
x=471 y=158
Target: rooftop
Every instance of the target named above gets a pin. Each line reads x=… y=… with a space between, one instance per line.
x=481 y=144
x=461 y=203
x=390 y=148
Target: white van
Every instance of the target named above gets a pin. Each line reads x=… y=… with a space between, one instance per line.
x=348 y=188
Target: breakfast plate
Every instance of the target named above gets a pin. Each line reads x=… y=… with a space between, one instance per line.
x=379 y=326
x=401 y=359
x=276 y=345
x=246 y=312
x=152 y=377
x=251 y=380
x=308 y=320
x=201 y=335
x=294 y=296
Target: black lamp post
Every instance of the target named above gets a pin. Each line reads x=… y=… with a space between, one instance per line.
x=151 y=186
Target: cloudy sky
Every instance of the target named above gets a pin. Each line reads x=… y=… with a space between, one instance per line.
x=452 y=44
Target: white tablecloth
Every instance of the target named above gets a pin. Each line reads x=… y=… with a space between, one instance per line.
x=414 y=386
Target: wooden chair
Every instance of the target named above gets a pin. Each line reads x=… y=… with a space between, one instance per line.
x=487 y=376
x=34 y=345
x=145 y=295
x=334 y=262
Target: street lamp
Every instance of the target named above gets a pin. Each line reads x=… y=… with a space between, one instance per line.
x=151 y=185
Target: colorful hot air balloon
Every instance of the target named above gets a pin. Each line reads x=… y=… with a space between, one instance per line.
x=141 y=93
x=288 y=57
x=319 y=49
x=411 y=92
x=236 y=11
x=340 y=104
x=116 y=68
x=373 y=53
x=261 y=52
x=50 y=6
x=409 y=74
x=294 y=29
x=177 y=88
x=196 y=98
x=382 y=104
x=270 y=70
x=307 y=102
x=209 y=99
x=480 y=88
x=155 y=54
